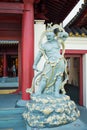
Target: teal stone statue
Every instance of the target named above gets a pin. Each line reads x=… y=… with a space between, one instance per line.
x=50 y=80
x=49 y=106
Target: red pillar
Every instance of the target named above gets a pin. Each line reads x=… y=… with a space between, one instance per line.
x=27 y=49
x=4 y=66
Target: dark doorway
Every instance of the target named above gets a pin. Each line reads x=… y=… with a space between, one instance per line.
x=73 y=84
x=1 y=66
x=12 y=65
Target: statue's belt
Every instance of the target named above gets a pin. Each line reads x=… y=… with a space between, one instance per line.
x=53 y=63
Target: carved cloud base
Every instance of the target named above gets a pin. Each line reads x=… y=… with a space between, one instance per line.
x=50 y=111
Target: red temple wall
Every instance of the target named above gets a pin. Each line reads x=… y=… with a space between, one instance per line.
x=10 y=35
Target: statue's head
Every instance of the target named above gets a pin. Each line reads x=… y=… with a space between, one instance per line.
x=50 y=35
x=54 y=31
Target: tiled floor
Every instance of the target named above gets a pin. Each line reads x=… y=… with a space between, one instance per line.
x=9 y=100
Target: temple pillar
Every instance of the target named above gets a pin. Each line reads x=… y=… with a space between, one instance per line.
x=27 y=48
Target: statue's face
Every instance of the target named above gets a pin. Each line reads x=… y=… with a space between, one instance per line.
x=50 y=36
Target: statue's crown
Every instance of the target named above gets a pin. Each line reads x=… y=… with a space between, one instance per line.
x=54 y=28
x=49 y=27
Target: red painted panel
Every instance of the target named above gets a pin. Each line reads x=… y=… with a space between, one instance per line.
x=75 y=51
x=10 y=18
x=10 y=35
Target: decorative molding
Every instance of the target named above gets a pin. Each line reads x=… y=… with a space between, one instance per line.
x=9 y=42
x=39 y=21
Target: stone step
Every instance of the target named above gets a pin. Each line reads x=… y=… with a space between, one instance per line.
x=11 y=111
x=8 y=79
x=11 y=118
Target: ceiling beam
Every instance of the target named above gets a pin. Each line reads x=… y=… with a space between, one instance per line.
x=36 y=1
x=28 y=1
x=11 y=7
